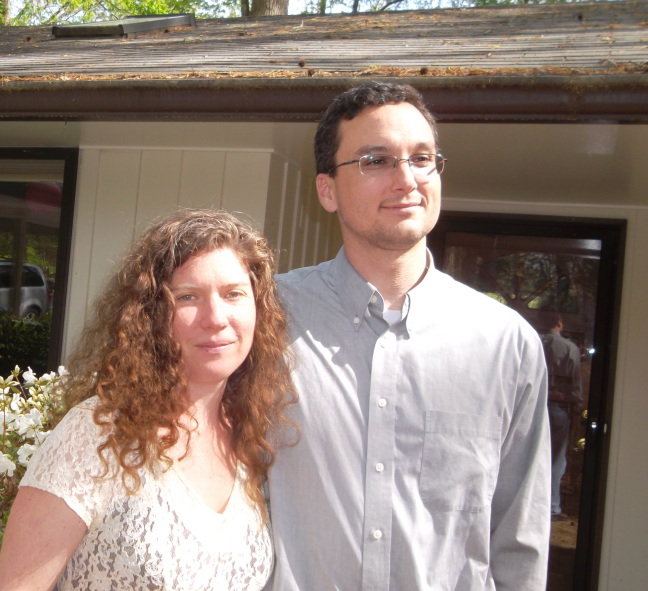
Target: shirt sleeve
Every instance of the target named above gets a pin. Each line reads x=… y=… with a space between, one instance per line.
x=521 y=523
x=67 y=465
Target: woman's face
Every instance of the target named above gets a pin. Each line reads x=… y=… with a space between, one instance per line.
x=214 y=317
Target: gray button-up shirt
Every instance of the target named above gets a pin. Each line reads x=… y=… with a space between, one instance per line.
x=424 y=457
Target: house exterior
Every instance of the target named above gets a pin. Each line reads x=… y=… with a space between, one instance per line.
x=542 y=112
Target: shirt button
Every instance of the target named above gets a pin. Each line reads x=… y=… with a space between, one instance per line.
x=382 y=402
x=377 y=534
x=380 y=467
x=373 y=299
x=356 y=320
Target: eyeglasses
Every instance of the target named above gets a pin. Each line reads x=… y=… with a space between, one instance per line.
x=383 y=164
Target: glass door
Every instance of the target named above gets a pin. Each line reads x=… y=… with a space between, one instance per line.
x=563 y=276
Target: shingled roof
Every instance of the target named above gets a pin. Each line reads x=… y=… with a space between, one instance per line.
x=538 y=62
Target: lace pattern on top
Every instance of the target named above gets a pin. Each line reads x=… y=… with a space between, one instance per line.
x=161 y=538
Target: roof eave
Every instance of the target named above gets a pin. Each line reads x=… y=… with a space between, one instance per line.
x=489 y=98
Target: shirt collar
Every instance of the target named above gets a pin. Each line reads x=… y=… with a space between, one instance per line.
x=354 y=291
x=357 y=294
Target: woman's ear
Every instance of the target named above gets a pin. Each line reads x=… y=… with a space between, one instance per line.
x=326 y=192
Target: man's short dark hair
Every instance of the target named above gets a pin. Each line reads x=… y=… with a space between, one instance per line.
x=549 y=320
x=351 y=103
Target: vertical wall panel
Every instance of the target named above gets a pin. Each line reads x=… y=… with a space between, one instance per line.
x=245 y=186
x=159 y=185
x=117 y=189
x=106 y=208
x=201 y=179
x=623 y=558
x=323 y=230
x=295 y=218
x=273 y=226
x=292 y=204
x=81 y=252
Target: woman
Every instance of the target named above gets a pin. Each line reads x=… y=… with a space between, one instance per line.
x=153 y=478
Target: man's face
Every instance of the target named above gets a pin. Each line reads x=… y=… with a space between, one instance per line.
x=391 y=212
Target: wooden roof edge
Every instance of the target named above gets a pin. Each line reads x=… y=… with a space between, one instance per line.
x=622 y=98
x=273 y=81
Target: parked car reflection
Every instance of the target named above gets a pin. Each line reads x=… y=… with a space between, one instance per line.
x=34 y=291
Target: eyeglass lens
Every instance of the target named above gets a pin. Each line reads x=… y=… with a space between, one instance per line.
x=421 y=164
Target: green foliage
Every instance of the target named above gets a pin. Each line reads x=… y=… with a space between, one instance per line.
x=41 y=250
x=24 y=342
x=347 y=6
x=48 y=12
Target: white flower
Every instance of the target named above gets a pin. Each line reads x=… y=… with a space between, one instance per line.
x=29 y=377
x=29 y=424
x=7 y=422
x=25 y=453
x=6 y=465
x=6 y=384
x=27 y=407
x=17 y=402
x=40 y=437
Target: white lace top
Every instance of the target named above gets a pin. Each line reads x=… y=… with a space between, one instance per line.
x=162 y=538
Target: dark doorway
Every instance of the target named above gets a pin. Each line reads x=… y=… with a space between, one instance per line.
x=563 y=275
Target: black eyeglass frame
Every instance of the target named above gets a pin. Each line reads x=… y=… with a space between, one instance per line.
x=439 y=160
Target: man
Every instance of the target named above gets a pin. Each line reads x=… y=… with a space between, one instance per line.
x=424 y=456
x=565 y=399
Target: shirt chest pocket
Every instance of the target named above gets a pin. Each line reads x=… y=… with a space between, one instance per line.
x=460 y=461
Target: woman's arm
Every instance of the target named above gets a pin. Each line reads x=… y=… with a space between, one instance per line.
x=42 y=534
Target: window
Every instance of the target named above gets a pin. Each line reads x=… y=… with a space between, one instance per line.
x=36 y=205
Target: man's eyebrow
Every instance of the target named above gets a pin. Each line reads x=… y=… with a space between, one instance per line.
x=425 y=147
x=369 y=149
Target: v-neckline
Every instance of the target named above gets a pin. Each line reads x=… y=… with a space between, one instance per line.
x=198 y=498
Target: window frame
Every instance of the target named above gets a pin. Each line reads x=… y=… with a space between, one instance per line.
x=70 y=159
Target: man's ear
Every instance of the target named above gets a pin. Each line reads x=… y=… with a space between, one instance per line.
x=326 y=192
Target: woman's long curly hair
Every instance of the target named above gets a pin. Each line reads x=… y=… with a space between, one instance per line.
x=127 y=355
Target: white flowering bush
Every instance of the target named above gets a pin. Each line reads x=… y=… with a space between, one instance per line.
x=28 y=407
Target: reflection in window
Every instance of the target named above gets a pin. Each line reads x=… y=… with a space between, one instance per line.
x=528 y=274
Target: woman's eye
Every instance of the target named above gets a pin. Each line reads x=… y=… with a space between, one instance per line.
x=185 y=298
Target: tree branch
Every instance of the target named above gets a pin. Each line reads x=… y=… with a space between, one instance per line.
x=391 y=3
